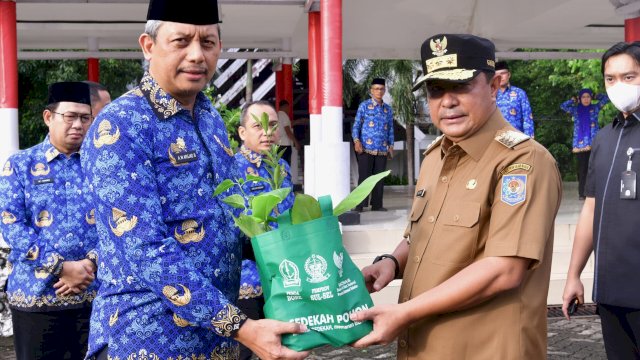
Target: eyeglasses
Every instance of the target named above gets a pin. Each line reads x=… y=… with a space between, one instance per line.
x=377 y=89
x=70 y=117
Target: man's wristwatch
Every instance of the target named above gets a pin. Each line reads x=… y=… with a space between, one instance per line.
x=389 y=256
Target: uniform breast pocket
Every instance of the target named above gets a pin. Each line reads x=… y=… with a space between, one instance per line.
x=420 y=202
x=456 y=237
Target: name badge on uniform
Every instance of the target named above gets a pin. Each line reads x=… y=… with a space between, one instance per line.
x=628 y=180
x=43 y=181
x=628 y=185
x=420 y=193
x=186 y=157
x=257 y=187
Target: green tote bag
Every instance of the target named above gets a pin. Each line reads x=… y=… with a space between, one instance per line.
x=308 y=277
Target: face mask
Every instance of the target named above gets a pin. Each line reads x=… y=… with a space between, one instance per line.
x=625 y=97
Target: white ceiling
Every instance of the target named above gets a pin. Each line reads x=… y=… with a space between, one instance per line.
x=381 y=29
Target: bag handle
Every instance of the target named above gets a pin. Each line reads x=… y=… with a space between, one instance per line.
x=326 y=206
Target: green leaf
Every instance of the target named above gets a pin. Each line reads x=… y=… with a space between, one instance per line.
x=251 y=177
x=305 y=208
x=263 y=204
x=223 y=186
x=234 y=200
x=248 y=225
x=358 y=194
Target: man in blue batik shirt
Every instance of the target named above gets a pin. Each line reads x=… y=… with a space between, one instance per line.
x=372 y=135
x=170 y=254
x=513 y=102
x=256 y=141
x=48 y=222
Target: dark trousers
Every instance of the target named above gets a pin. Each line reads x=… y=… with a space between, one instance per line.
x=370 y=165
x=253 y=309
x=620 y=331
x=54 y=335
x=287 y=153
x=583 y=167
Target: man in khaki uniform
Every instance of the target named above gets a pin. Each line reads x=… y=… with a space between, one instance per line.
x=477 y=256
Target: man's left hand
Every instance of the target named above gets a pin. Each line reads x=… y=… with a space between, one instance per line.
x=76 y=276
x=388 y=322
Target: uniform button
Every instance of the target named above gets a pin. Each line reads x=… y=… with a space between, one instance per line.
x=80 y=243
x=444 y=179
x=431 y=219
x=402 y=343
x=55 y=246
x=69 y=235
x=67 y=184
x=416 y=259
x=456 y=218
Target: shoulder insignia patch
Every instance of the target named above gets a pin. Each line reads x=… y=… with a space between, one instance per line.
x=433 y=144
x=511 y=138
x=516 y=166
x=513 y=189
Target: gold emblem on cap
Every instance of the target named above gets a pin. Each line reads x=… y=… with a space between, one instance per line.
x=439 y=46
x=471 y=184
x=105 y=137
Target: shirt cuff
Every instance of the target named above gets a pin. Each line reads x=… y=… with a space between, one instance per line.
x=228 y=321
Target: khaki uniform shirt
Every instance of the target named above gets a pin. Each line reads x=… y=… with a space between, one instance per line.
x=494 y=194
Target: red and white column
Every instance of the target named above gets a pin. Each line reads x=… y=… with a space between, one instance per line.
x=8 y=80
x=314 y=43
x=632 y=29
x=332 y=156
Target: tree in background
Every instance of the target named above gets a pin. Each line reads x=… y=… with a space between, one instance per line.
x=34 y=77
x=548 y=83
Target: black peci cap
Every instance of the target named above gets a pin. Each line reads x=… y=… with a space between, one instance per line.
x=75 y=91
x=195 y=12
x=378 y=81
x=455 y=57
x=502 y=65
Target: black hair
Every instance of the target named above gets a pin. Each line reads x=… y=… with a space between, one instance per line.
x=630 y=48
x=245 y=109
x=94 y=90
x=283 y=102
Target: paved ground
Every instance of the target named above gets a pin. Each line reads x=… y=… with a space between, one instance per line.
x=579 y=338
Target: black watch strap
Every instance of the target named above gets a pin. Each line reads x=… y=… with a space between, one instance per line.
x=389 y=256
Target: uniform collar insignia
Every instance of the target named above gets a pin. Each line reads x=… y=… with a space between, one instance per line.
x=433 y=144
x=51 y=153
x=510 y=138
x=163 y=104
x=252 y=157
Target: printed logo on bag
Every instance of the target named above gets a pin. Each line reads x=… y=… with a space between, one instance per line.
x=337 y=259
x=316 y=267
x=290 y=273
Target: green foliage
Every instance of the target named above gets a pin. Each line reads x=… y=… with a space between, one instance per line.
x=230 y=116
x=34 y=77
x=396 y=180
x=548 y=84
x=359 y=193
x=305 y=208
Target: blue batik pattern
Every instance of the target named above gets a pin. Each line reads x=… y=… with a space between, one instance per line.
x=47 y=218
x=373 y=127
x=170 y=253
x=251 y=163
x=584 y=128
x=514 y=105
